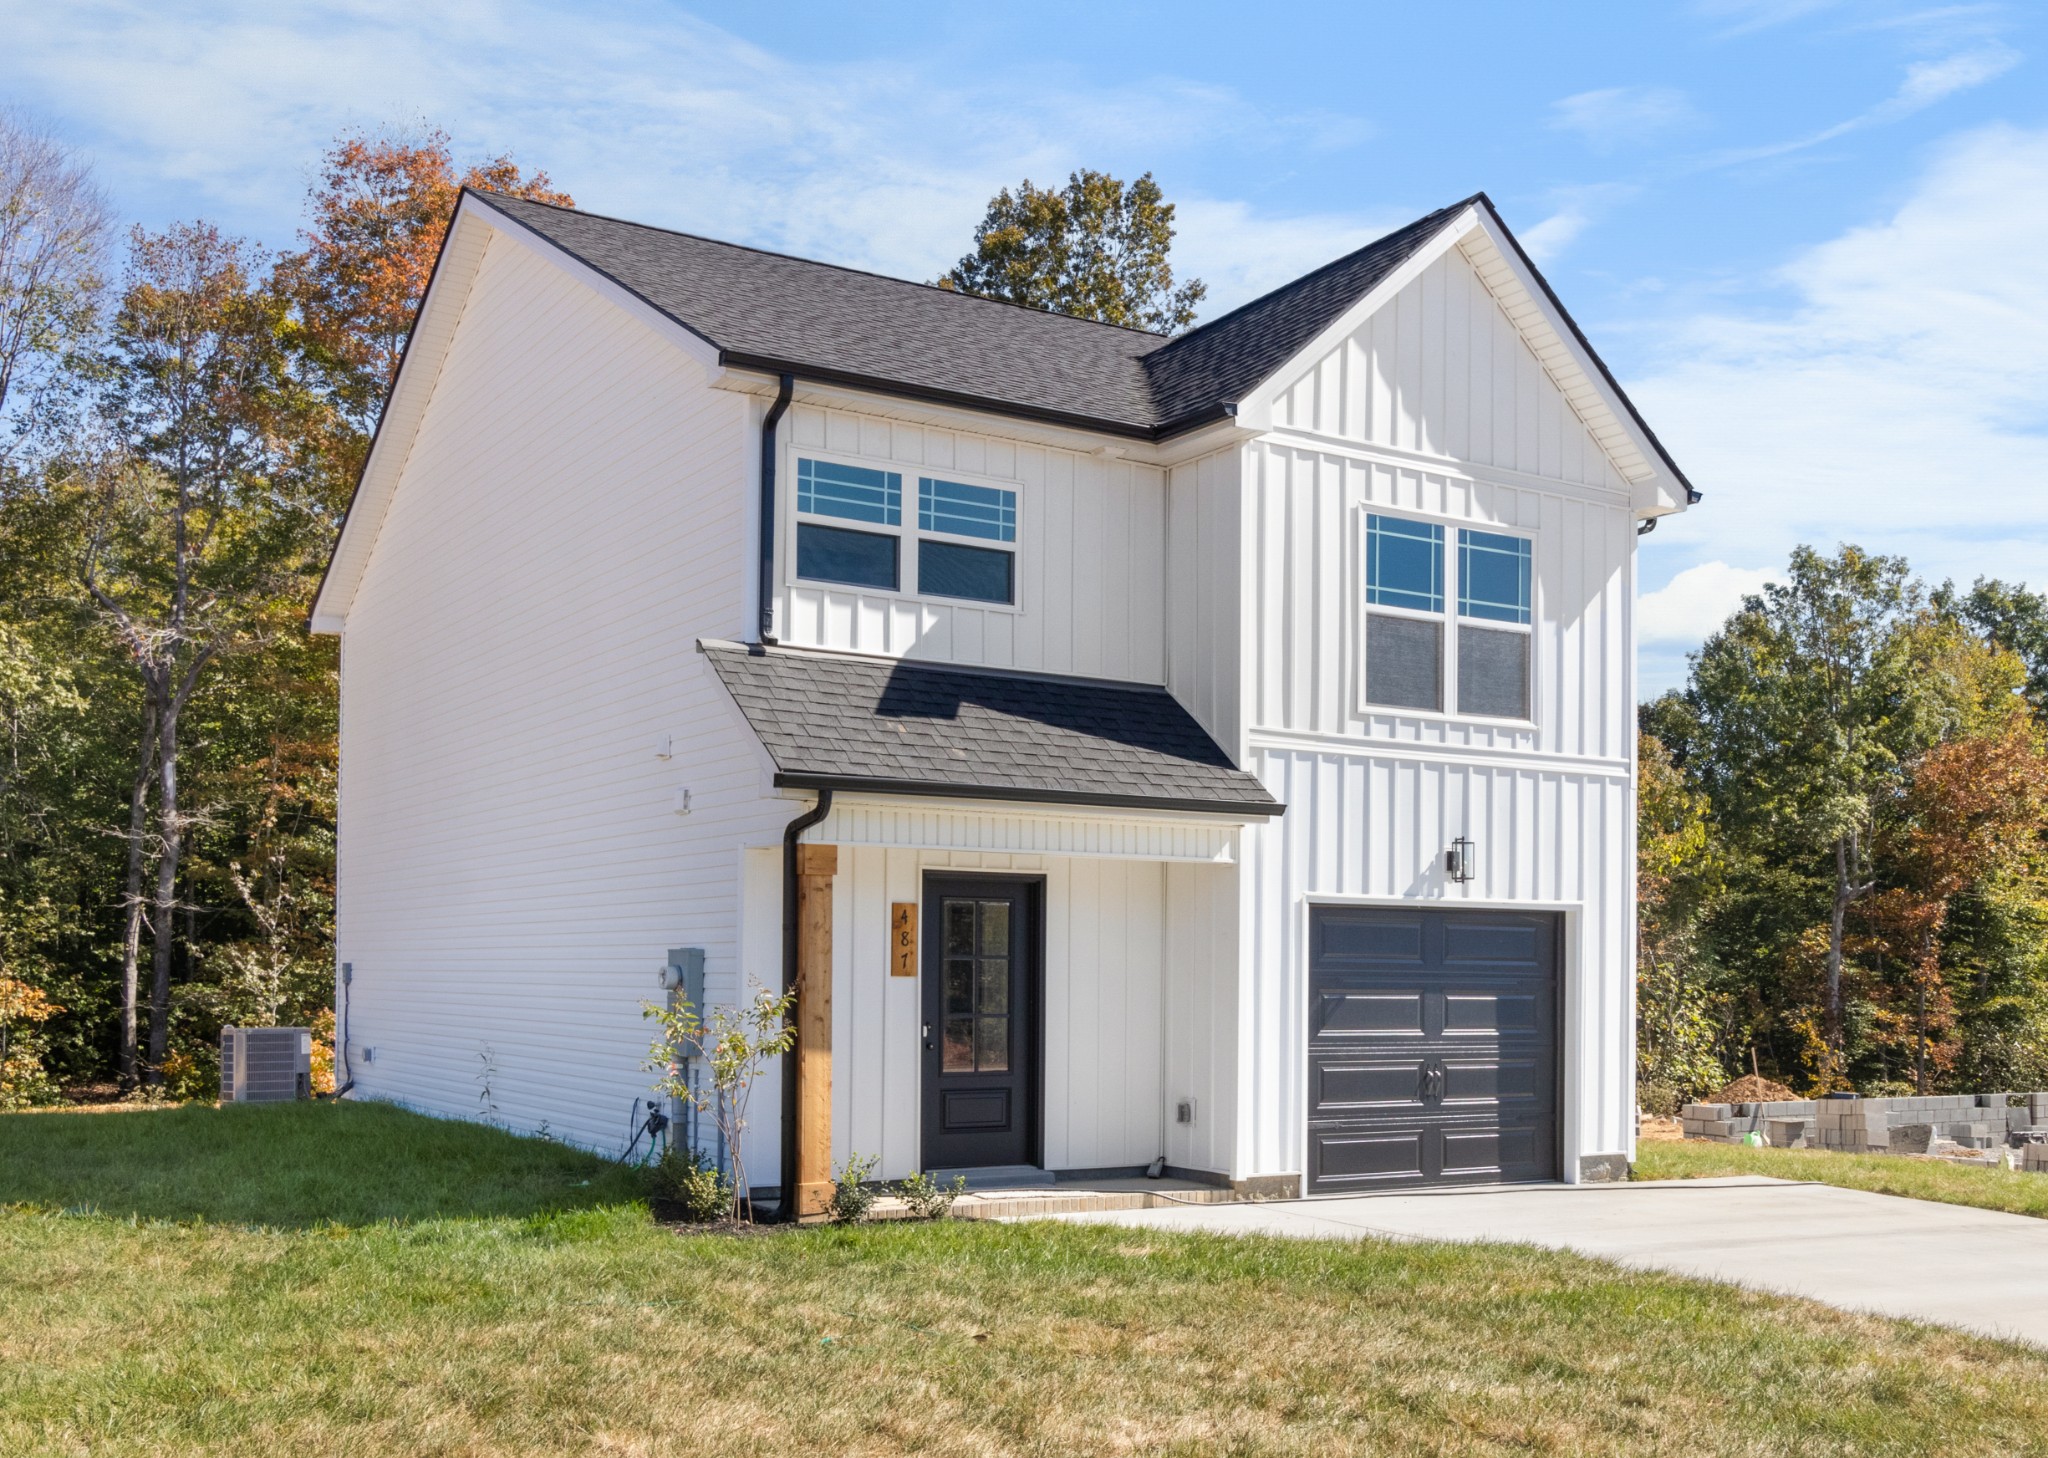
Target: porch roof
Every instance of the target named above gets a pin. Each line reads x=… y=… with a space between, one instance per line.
x=843 y=722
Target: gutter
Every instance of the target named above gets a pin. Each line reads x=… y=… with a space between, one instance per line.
x=791 y=834
x=765 y=589
x=1031 y=794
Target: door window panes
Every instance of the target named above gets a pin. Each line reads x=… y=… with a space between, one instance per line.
x=977 y=991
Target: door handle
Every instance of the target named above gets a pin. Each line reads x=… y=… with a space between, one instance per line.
x=927 y=1037
x=1434 y=1076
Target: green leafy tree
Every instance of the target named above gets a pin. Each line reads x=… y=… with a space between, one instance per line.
x=1681 y=1016
x=2013 y=618
x=1096 y=248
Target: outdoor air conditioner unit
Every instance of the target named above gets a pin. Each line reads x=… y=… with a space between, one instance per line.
x=265 y=1065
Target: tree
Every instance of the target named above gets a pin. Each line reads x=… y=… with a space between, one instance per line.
x=53 y=232
x=1096 y=249
x=2013 y=618
x=194 y=530
x=1678 y=1012
x=379 y=212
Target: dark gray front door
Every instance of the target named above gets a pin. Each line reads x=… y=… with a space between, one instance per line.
x=1432 y=1048
x=981 y=1001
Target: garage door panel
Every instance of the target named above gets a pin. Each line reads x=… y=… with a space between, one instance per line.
x=1370 y=1012
x=1486 y=1011
x=1482 y=941
x=1381 y=1156
x=1432 y=1048
x=1342 y=1086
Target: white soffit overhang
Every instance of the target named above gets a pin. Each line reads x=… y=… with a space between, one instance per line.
x=908 y=822
x=1655 y=487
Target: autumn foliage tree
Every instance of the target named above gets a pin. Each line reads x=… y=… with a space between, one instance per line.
x=376 y=220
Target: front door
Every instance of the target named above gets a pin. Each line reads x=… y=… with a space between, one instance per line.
x=981 y=999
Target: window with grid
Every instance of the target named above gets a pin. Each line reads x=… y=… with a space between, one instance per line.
x=1436 y=620
x=961 y=541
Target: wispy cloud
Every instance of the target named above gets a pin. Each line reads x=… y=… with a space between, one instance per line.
x=1901 y=401
x=1745 y=16
x=1576 y=209
x=1620 y=116
x=1925 y=84
x=643 y=110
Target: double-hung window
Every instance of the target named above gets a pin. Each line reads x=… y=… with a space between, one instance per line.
x=1416 y=648
x=852 y=530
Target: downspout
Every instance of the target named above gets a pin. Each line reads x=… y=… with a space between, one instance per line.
x=1648 y=525
x=766 y=583
x=791 y=834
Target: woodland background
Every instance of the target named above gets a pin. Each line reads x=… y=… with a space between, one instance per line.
x=1843 y=828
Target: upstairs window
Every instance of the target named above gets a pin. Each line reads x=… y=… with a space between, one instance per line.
x=962 y=541
x=1409 y=625
x=849 y=493
x=956 y=569
x=1494 y=589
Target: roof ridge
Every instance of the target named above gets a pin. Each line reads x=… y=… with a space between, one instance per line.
x=1338 y=262
x=909 y=283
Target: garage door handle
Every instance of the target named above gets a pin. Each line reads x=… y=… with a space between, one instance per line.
x=1433 y=1076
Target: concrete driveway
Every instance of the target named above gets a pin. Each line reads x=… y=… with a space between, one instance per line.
x=1977 y=1269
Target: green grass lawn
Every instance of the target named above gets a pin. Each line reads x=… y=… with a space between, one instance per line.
x=309 y=1280
x=2017 y=1192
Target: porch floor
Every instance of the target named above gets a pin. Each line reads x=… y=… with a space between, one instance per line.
x=1081 y=1197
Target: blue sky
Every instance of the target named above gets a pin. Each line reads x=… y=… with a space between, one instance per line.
x=1807 y=234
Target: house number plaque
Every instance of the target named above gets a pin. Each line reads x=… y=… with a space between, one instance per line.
x=903 y=939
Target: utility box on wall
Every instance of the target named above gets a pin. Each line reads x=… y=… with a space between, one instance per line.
x=265 y=1065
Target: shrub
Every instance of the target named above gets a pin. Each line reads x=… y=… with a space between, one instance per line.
x=927 y=1198
x=852 y=1196
x=1660 y=1099
x=697 y=1188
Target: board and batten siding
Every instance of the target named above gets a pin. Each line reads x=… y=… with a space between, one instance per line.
x=511 y=865
x=1435 y=408
x=1091 y=543
x=1114 y=999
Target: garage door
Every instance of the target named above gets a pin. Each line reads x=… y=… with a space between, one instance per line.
x=1432 y=1050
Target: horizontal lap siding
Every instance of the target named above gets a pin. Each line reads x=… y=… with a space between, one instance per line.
x=511 y=867
x=1091 y=545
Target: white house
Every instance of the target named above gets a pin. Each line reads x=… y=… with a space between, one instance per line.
x=1216 y=749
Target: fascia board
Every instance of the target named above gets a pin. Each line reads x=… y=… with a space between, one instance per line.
x=419 y=369
x=876 y=404
x=1255 y=411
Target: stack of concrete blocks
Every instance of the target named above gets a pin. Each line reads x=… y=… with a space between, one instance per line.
x=1853 y=1126
x=1729 y=1123
x=2034 y=1157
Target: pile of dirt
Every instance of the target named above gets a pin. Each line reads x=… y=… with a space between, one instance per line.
x=1749 y=1089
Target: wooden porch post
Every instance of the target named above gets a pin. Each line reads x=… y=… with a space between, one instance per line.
x=815 y=867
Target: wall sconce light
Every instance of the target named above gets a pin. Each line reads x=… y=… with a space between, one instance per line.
x=1458 y=860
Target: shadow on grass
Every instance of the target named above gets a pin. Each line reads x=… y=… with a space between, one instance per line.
x=293 y=1166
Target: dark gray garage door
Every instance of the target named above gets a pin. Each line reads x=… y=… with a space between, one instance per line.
x=1432 y=1048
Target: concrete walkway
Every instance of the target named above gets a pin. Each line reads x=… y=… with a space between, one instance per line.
x=1980 y=1270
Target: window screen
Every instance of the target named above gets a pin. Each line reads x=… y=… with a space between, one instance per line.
x=855 y=493
x=858 y=559
x=961 y=510
x=1404 y=662
x=1493 y=577
x=1404 y=564
x=947 y=569
x=1493 y=672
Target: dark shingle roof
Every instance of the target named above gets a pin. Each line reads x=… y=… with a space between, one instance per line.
x=769 y=311
x=834 y=721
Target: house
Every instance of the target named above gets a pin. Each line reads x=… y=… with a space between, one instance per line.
x=1216 y=750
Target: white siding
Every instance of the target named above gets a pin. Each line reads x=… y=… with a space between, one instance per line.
x=1440 y=370
x=1202 y=995
x=1204 y=605
x=511 y=867
x=1091 y=543
x=1104 y=1018
x=1374 y=827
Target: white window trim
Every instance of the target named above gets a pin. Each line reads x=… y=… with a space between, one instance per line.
x=908 y=533
x=1449 y=617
